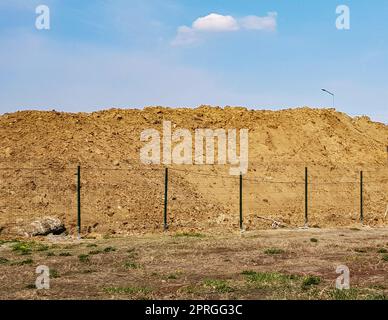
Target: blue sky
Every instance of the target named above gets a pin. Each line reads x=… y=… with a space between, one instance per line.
x=101 y=54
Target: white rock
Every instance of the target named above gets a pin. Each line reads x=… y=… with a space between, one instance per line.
x=43 y=227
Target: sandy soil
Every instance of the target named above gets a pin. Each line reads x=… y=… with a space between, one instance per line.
x=39 y=152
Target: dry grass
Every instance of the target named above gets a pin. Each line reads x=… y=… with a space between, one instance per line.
x=281 y=264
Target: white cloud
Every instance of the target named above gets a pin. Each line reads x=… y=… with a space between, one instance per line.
x=216 y=23
x=219 y=23
x=267 y=23
x=185 y=36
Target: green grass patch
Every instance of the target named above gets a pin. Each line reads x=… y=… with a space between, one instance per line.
x=106 y=250
x=132 y=254
x=268 y=277
x=351 y=294
x=382 y=250
x=277 y=285
x=91 y=245
x=83 y=258
x=376 y=296
x=8 y=241
x=189 y=235
x=309 y=281
x=26 y=247
x=23 y=248
x=42 y=247
x=54 y=273
x=3 y=260
x=190 y=289
x=219 y=286
x=70 y=246
x=127 y=290
x=65 y=254
x=315 y=240
x=356 y=294
x=274 y=251
x=22 y=263
x=131 y=265
x=50 y=254
x=384 y=257
x=378 y=287
x=94 y=252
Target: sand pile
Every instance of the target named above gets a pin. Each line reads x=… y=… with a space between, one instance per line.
x=39 y=153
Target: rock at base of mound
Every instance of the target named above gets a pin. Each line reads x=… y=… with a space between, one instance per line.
x=47 y=225
x=41 y=227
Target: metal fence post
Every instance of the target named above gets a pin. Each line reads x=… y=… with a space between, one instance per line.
x=165 y=199
x=361 y=197
x=306 y=207
x=79 y=201
x=241 y=202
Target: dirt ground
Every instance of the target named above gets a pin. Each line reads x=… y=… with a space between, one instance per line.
x=265 y=264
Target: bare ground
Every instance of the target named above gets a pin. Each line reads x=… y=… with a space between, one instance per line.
x=271 y=264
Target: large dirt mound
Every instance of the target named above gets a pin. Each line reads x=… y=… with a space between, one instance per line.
x=39 y=153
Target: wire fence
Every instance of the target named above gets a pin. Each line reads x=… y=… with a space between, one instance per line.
x=147 y=199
